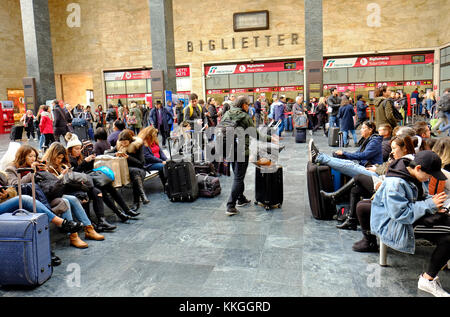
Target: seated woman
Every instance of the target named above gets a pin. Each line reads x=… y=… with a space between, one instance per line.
x=365 y=186
x=85 y=165
x=369 y=153
x=155 y=159
x=132 y=148
x=101 y=143
x=402 y=209
x=54 y=157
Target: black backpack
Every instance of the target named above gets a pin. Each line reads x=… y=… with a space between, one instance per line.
x=225 y=129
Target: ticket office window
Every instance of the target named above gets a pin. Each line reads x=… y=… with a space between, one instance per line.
x=335 y=76
x=290 y=78
x=268 y=79
x=136 y=86
x=418 y=72
x=217 y=82
x=389 y=73
x=116 y=87
x=241 y=80
x=361 y=75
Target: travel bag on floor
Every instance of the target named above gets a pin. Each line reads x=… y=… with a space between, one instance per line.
x=208 y=186
x=300 y=135
x=25 y=256
x=269 y=187
x=81 y=132
x=181 y=179
x=333 y=136
x=16 y=133
x=319 y=178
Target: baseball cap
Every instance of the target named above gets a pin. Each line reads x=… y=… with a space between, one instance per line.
x=430 y=163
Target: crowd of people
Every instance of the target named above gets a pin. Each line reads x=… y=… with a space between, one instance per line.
x=393 y=162
x=398 y=185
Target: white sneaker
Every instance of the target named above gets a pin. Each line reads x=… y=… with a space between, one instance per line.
x=433 y=287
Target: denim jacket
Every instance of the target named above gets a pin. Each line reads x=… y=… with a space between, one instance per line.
x=394 y=225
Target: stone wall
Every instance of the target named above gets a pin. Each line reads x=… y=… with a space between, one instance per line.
x=74 y=88
x=12 y=55
x=116 y=34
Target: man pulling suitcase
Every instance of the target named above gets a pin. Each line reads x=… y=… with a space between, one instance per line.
x=238 y=114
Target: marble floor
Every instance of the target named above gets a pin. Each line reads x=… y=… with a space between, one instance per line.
x=195 y=250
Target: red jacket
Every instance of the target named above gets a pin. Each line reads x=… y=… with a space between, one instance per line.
x=46 y=125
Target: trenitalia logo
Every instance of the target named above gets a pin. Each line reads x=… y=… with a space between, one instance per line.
x=222 y=70
x=340 y=63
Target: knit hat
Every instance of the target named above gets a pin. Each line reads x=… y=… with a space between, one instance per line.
x=72 y=140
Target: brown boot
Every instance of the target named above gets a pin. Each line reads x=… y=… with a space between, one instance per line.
x=77 y=242
x=91 y=234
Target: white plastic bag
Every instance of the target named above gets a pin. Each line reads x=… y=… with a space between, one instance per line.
x=10 y=155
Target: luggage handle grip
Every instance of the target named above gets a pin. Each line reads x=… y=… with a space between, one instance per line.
x=22 y=211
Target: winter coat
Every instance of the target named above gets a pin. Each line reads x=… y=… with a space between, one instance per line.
x=370 y=151
x=46 y=125
x=335 y=103
x=397 y=205
x=386 y=148
x=166 y=118
x=151 y=159
x=346 y=114
x=135 y=111
x=135 y=151
x=278 y=111
x=383 y=112
x=361 y=109
x=60 y=120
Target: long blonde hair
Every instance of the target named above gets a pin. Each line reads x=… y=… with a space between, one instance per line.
x=322 y=100
x=442 y=148
x=149 y=135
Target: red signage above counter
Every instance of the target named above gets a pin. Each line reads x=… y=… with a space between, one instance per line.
x=254 y=68
x=367 y=61
x=142 y=74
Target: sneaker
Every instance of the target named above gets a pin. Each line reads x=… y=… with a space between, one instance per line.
x=232 y=211
x=433 y=287
x=313 y=151
x=244 y=202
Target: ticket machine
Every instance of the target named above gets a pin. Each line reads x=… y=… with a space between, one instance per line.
x=6 y=116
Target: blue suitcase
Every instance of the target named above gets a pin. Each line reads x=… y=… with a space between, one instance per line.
x=25 y=256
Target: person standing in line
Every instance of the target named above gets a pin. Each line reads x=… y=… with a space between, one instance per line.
x=28 y=122
x=321 y=114
x=160 y=119
x=361 y=110
x=135 y=118
x=258 y=109
x=100 y=117
x=179 y=112
x=345 y=115
x=60 y=121
x=334 y=102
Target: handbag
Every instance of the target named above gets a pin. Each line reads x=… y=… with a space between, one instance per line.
x=99 y=178
x=132 y=119
x=51 y=186
x=74 y=181
x=106 y=170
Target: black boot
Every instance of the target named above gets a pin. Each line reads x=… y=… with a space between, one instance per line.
x=367 y=244
x=351 y=222
x=141 y=191
x=103 y=225
x=136 y=200
x=121 y=215
x=131 y=213
x=55 y=259
x=341 y=191
x=70 y=226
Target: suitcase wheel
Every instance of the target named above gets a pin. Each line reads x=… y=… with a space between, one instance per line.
x=267 y=207
x=256 y=203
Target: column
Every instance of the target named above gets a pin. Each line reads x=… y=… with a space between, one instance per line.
x=38 y=47
x=313 y=49
x=162 y=38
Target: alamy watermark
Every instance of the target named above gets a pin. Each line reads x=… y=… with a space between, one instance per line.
x=74 y=278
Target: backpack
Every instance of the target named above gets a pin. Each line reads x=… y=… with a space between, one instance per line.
x=225 y=128
x=301 y=121
x=191 y=110
x=112 y=115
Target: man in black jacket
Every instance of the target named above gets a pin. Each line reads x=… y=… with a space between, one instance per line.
x=61 y=118
x=334 y=102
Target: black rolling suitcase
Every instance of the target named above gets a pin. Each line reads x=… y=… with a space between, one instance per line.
x=269 y=187
x=25 y=256
x=16 y=133
x=319 y=178
x=181 y=179
x=81 y=133
x=333 y=136
x=300 y=135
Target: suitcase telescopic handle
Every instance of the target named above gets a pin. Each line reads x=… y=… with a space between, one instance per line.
x=33 y=186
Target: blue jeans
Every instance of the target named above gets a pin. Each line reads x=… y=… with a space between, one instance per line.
x=156 y=167
x=346 y=167
x=281 y=128
x=41 y=141
x=12 y=205
x=77 y=210
x=345 y=136
x=334 y=121
x=288 y=123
